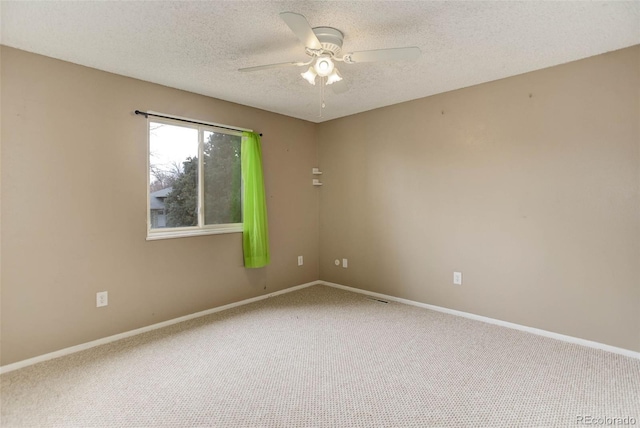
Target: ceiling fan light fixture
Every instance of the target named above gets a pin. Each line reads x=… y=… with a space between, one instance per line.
x=334 y=77
x=310 y=75
x=323 y=66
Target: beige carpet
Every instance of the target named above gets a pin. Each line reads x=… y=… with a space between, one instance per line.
x=322 y=357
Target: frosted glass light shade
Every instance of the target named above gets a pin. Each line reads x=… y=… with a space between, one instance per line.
x=310 y=75
x=323 y=66
x=334 y=77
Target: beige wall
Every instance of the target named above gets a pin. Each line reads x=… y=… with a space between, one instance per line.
x=529 y=185
x=74 y=208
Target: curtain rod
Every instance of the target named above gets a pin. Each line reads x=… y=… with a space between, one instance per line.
x=181 y=119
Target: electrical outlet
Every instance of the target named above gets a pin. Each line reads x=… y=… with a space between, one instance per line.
x=345 y=263
x=337 y=262
x=457 y=278
x=300 y=260
x=102 y=299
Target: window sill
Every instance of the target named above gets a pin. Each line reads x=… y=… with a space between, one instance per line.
x=158 y=234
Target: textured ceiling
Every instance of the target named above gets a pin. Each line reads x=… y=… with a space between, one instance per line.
x=198 y=46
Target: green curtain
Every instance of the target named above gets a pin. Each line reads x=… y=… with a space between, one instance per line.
x=255 y=236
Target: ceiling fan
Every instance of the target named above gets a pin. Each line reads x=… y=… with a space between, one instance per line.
x=323 y=45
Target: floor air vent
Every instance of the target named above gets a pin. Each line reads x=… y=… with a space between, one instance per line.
x=377 y=300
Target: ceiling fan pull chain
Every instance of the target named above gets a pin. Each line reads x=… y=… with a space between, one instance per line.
x=322 y=105
x=321 y=97
x=323 y=84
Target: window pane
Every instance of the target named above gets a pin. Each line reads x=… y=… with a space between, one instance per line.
x=222 y=178
x=173 y=172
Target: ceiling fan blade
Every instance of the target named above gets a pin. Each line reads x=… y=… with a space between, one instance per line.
x=269 y=66
x=393 y=54
x=339 y=87
x=301 y=28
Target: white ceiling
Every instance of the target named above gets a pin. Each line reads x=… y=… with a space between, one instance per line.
x=198 y=46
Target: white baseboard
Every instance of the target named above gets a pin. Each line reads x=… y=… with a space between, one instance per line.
x=73 y=349
x=539 y=332
x=98 y=342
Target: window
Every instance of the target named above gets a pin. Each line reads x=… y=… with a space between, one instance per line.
x=195 y=180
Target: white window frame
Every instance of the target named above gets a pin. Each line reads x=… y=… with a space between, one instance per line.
x=201 y=229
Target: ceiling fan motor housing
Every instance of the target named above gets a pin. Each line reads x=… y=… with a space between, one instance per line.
x=330 y=39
